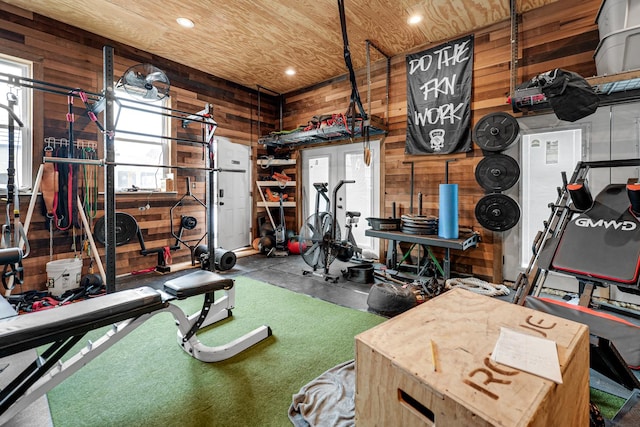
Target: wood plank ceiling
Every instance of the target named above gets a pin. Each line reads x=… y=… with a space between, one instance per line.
x=252 y=42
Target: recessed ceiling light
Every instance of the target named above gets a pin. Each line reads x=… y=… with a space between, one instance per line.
x=185 y=22
x=414 y=19
x=290 y=72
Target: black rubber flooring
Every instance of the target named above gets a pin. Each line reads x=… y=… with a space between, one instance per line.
x=286 y=272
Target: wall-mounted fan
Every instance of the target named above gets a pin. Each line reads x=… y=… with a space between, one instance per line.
x=145 y=81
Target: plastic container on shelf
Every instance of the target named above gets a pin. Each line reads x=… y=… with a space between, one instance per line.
x=616 y=15
x=618 y=52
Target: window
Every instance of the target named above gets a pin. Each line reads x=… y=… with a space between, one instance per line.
x=140 y=139
x=21 y=100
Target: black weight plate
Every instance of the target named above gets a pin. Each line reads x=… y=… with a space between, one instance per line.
x=497 y=172
x=126 y=229
x=497 y=212
x=496 y=131
x=422 y=231
x=415 y=228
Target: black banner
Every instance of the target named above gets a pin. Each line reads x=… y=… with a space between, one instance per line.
x=439 y=99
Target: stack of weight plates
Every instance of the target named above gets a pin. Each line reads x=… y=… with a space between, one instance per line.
x=419 y=224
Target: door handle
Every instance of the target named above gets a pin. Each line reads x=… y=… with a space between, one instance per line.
x=221 y=193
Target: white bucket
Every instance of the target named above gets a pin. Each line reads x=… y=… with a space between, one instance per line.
x=63 y=274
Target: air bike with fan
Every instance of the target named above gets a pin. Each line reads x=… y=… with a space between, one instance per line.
x=319 y=240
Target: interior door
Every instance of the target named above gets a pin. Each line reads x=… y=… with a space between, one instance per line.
x=331 y=164
x=232 y=218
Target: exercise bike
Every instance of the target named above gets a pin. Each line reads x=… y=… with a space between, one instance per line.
x=319 y=241
x=352 y=221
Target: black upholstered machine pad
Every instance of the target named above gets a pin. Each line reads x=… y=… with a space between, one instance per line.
x=603 y=242
x=31 y=330
x=196 y=283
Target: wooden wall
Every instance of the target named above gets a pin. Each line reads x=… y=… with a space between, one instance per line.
x=68 y=56
x=561 y=35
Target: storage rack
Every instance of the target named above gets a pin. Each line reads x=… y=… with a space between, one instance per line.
x=324 y=134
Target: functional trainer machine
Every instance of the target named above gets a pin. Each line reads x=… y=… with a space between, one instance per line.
x=62 y=327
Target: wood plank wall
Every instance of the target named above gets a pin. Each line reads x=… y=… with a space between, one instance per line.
x=561 y=35
x=71 y=57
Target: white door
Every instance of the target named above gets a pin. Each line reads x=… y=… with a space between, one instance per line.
x=545 y=156
x=331 y=164
x=232 y=218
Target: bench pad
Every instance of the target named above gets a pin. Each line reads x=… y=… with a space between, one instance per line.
x=603 y=242
x=31 y=330
x=196 y=283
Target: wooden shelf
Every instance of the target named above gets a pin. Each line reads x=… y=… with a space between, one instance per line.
x=275 y=184
x=276 y=204
x=276 y=162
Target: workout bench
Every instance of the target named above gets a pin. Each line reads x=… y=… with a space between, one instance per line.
x=62 y=327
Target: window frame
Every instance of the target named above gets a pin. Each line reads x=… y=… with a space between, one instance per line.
x=25 y=111
x=153 y=138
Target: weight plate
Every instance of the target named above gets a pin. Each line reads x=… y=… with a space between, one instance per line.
x=419 y=221
x=497 y=172
x=126 y=229
x=497 y=212
x=420 y=230
x=188 y=222
x=496 y=131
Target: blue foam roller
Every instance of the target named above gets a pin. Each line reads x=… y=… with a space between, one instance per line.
x=448 y=217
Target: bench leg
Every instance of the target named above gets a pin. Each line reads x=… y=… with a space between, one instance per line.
x=206 y=353
x=63 y=370
x=220 y=310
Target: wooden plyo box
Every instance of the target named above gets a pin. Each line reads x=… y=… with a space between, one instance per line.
x=396 y=384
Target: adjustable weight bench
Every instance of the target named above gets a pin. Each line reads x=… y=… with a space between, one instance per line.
x=62 y=327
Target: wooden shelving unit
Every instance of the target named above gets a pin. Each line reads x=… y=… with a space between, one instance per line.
x=290 y=188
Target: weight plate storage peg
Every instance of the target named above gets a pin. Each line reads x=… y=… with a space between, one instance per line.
x=497 y=172
x=496 y=131
x=497 y=212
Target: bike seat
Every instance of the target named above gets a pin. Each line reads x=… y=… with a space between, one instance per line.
x=352 y=214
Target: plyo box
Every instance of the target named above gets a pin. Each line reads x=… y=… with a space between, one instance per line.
x=396 y=384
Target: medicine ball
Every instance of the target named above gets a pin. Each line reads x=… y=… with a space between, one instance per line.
x=256 y=244
x=293 y=245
